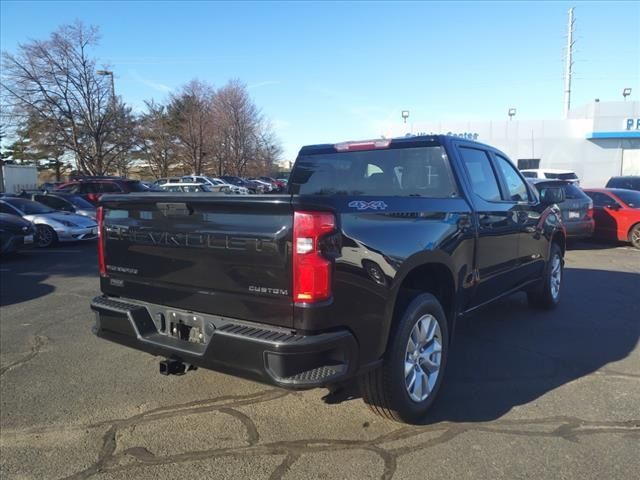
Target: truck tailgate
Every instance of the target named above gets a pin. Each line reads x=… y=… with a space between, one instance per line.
x=217 y=254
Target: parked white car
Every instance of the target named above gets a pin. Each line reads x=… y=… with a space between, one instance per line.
x=551 y=174
x=215 y=182
x=192 y=187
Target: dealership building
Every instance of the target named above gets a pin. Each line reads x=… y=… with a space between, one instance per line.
x=597 y=141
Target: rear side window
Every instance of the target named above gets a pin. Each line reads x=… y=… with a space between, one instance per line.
x=483 y=180
x=419 y=172
x=601 y=199
x=53 y=202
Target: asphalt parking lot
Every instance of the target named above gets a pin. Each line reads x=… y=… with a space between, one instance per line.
x=528 y=394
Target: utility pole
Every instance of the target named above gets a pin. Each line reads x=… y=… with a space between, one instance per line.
x=568 y=68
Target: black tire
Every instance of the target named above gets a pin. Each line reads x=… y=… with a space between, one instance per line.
x=634 y=235
x=384 y=389
x=45 y=236
x=545 y=295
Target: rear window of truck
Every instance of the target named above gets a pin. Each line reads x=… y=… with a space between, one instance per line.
x=418 y=172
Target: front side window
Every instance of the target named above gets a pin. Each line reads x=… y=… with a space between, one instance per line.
x=483 y=180
x=7 y=209
x=516 y=188
x=416 y=171
x=630 y=197
x=29 y=207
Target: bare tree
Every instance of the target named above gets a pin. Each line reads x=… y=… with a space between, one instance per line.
x=156 y=140
x=237 y=120
x=244 y=140
x=191 y=116
x=56 y=79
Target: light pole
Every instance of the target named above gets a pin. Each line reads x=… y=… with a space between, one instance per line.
x=625 y=93
x=109 y=73
x=512 y=113
x=405 y=115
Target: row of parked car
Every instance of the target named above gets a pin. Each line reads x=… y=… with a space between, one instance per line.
x=66 y=212
x=226 y=184
x=611 y=213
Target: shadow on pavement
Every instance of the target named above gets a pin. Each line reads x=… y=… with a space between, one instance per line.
x=509 y=354
x=24 y=275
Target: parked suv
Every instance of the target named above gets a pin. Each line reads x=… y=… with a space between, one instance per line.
x=359 y=272
x=628 y=182
x=92 y=188
x=576 y=210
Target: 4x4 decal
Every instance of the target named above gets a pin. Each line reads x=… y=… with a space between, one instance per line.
x=373 y=205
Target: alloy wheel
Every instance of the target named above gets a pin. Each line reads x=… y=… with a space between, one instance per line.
x=422 y=358
x=556 y=276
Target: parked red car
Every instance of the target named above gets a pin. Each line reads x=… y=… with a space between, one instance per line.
x=617 y=214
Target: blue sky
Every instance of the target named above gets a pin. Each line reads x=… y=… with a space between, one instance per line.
x=325 y=72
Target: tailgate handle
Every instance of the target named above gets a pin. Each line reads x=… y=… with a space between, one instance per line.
x=173 y=209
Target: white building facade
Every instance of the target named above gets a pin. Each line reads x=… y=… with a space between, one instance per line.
x=598 y=141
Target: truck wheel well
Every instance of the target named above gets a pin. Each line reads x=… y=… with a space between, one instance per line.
x=433 y=278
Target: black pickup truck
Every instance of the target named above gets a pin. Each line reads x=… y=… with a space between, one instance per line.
x=358 y=272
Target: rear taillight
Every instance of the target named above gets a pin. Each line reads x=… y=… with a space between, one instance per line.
x=101 y=240
x=311 y=271
x=590 y=211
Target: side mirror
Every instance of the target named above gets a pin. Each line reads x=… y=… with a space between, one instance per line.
x=551 y=195
x=613 y=206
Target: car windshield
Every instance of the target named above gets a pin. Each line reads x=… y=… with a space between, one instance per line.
x=29 y=207
x=630 y=197
x=79 y=202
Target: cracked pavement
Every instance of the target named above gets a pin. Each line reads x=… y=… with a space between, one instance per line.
x=527 y=394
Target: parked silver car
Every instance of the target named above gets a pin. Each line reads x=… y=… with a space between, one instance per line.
x=51 y=225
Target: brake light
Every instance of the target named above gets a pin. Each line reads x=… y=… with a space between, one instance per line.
x=311 y=271
x=590 y=212
x=101 y=240
x=363 y=145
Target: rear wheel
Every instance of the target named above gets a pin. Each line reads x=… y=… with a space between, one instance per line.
x=407 y=383
x=547 y=294
x=634 y=235
x=45 y=236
